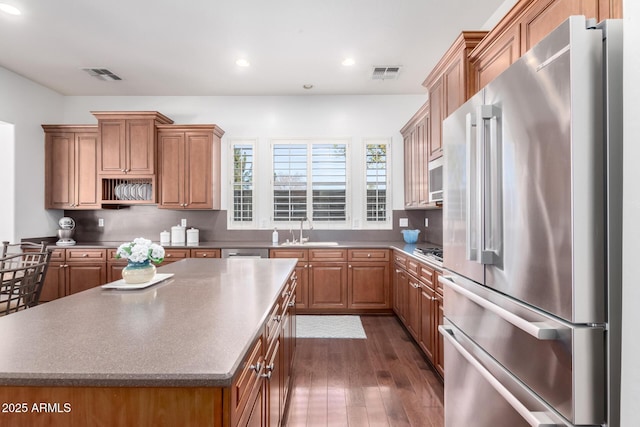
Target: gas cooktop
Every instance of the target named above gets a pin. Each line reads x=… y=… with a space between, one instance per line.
x=433 y=255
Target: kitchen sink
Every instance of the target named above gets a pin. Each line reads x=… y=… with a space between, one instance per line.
x=309 y=244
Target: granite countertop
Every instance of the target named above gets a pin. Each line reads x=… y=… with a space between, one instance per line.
x=193 y=329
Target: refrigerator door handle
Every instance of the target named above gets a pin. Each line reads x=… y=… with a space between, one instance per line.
x=535 y=419
x=538 y=330
x=472 y=189
x=490 y=210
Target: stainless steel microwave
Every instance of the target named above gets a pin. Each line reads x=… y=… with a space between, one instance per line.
x=435 y=180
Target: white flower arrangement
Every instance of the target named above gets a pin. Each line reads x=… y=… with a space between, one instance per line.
x=141 y=250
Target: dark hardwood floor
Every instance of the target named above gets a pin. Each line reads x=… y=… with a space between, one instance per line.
x=381 y=381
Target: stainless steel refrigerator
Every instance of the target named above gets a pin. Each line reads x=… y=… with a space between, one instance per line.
x=532 y=237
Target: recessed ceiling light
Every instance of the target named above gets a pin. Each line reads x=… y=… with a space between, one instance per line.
x=242 y=62
x=11 y=10
x=307 y=86
x=348 y=62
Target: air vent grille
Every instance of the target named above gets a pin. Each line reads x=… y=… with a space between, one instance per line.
x=385 y=73
x=102 y=74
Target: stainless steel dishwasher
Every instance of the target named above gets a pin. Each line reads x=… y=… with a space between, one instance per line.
x=245 y=253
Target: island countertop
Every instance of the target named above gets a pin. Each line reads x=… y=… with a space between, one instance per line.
x=192 y=330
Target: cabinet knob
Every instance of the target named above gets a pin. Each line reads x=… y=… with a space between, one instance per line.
x=257 y=367
x=292 y=303
x=204 y=255
x=267 y=375
x=368 y=255
x=85 y=255
x=349 y=265
x=168 y=255
x=123 y=170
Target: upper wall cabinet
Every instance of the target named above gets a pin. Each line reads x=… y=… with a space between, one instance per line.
x=450 y=84
x=416 y=151
x=189 y=166
x=127 y=142
x=528 y=22
x=70 y=167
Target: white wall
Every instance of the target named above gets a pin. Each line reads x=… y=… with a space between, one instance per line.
x=498 y=14
x=631 y=220
x=27 y=105
x=7 y=177
x=265 y=117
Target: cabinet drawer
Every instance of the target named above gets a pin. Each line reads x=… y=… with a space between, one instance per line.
x=400 y=259
x=176 y=254
x=426 y=275
x=91 y=255
x=273 y=322
x=413 y=267
x=301 y=254
x=327 y=254
x=205 y=253
x=368 y=255
x=57 y=255
x=111 y=256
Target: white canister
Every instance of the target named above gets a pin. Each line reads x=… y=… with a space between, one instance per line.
x=193 y=236
x=165 y=237
x=177 y=235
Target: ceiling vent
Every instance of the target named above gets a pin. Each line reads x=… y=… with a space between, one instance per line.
x=385 y=73
x=102 y=74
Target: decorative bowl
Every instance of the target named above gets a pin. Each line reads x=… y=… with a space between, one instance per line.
x=410 y=236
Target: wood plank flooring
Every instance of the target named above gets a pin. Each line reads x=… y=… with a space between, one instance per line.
x=381 y=381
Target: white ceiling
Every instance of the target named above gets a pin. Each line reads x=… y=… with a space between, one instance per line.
x=162 y=47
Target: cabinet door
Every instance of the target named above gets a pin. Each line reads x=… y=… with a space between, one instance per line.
x=428 y=331
x=436 y=113
x=171 y=168
x=53 y=287
x=273 y=384
x=439 y=308
x=302 y=291
x=83 y=276
x=421 y=165
x=114 y=271
x=497 y=57
x=111 y=147
x=409 y=184
x=85 y=172
x=545 y=15
x=205 y=253
x=413 y=307
x=198 y=170
x=368 y=285
x=60 y=170
x=140 y=147
x=454 y=86
x=400 y=288
x=328 y=285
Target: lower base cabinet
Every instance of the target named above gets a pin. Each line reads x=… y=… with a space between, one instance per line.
x=340 y=280
x=73 y=270
x=418 y=304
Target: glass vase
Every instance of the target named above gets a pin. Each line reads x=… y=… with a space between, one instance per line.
x=138 y=272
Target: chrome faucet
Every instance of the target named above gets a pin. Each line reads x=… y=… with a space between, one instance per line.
x=301 y=224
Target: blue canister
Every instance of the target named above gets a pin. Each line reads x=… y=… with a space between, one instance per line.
x=410 y=236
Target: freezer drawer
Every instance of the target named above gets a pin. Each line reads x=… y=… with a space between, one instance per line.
x=562 y=363
x=481 y=393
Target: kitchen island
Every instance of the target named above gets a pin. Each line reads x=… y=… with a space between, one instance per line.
x=187 y=351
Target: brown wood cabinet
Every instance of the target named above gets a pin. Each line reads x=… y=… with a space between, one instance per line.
x=341 y=280
x=368 y=280
x=70 y=167
x=189 y=166
x=127 y=142
x=528 y=22
x=450 y=84
x=418 y=303
x=302 y=273
x=74 y=270
x=416 y=150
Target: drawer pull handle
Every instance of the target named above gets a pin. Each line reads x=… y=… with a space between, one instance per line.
x=257 y=367
x=292 y=303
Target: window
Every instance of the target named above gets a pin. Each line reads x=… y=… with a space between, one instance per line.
x=376 y=171
x=242 y=183
x=310 y=180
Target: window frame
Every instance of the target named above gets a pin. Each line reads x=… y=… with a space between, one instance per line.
x=231 y=222
x=317 y=224
x=387 y=224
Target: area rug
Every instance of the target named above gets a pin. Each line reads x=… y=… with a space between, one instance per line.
x=308 y=326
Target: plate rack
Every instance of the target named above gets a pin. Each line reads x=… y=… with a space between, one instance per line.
x=129 y=191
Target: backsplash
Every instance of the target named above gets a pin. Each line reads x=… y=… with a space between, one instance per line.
x=149 y=221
